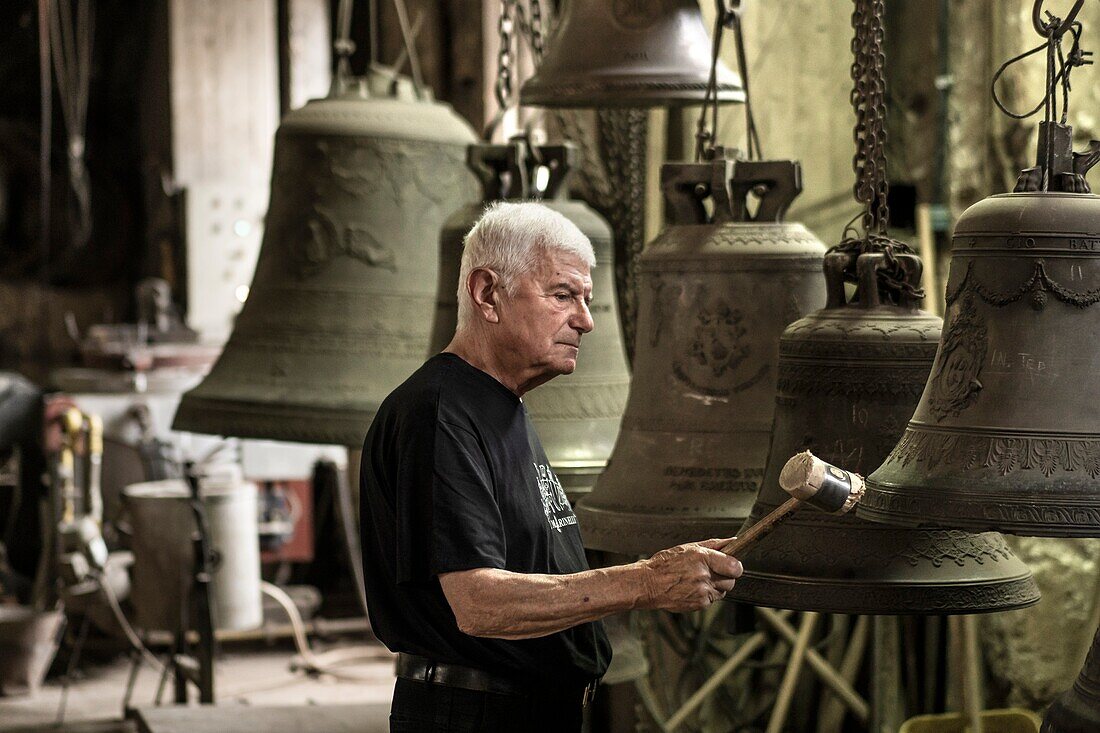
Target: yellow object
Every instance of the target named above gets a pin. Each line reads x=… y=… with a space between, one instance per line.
x=1009 y=720
x=95 y=433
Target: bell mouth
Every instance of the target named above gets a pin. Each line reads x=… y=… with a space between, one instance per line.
x=885 y=597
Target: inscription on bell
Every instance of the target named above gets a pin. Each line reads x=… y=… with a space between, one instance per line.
x=1089 y=244
x=1033 y=365
x=713 y=478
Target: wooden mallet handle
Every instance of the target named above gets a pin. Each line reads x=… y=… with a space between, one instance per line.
x=809 y=480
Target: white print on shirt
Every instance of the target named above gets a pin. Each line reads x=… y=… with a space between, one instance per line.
x=554 y=504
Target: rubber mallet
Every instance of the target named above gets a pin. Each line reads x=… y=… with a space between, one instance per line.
x=809 y=480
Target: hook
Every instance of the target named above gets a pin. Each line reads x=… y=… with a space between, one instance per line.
x=1054 y=27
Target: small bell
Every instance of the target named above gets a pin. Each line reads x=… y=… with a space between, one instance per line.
x=628 y=53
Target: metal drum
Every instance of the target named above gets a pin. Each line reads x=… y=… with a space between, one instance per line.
x=163 y=524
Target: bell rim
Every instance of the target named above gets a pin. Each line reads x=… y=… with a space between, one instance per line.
x=273 y=421
x=884 y=598
x=626 y=92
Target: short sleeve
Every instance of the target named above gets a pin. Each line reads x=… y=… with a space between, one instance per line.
x=459 y=521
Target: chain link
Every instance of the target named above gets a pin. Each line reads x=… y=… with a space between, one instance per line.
x=869 y=101
x=537 y=35
x=505 y=57
x=515 y=22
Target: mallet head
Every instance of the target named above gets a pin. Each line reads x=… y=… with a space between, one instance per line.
x=830 y=489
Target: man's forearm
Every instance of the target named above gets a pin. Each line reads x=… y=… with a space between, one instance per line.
x=507 y=605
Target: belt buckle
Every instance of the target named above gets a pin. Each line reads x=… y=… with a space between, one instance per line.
x=589 y=693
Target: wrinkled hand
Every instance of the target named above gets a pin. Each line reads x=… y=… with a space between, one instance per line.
x=689 y=577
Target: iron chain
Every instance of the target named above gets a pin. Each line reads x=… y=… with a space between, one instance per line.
x=869 y=101
x=872 y=190
x=536 y=31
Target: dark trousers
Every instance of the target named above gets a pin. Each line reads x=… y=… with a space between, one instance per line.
x=425 y=707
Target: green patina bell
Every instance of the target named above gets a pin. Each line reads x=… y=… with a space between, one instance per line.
x=577 y=415
x=716 y=291
x=340 y=307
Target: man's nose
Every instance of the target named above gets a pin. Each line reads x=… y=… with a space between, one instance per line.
x=582 y=319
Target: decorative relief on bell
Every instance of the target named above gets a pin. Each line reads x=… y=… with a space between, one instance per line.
x=718 y=346
x=954 y=383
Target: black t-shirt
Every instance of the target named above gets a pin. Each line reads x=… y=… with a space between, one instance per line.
x=454 y=478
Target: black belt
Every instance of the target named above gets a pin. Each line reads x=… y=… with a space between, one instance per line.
x=422 y=669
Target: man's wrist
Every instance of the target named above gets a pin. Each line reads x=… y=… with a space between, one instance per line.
x=640 y=586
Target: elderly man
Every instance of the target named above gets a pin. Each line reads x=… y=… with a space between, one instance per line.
x=475 y=570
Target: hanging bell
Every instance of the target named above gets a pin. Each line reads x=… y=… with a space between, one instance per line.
x=716 y=293
x=628 y=53
x=1007 y=436
x=1078 y=709
x=577 y=415
x=850 y=376
x=341 y=302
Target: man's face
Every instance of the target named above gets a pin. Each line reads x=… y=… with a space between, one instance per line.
x=542 y=323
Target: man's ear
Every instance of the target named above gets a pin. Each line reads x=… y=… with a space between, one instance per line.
x=483 y=286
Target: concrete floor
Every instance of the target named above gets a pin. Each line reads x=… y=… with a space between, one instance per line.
x=256 y=678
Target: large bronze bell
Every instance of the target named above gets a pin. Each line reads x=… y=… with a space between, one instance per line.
x=577 y=416
x=1007 y=433
x=340 y=307
x=850 y=376
x=716 y=293
x=628 y=53
x=1078 y=709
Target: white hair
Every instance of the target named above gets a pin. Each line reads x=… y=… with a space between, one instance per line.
x=511 y=239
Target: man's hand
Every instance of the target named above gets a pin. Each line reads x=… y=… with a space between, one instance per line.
x=689 y=577
x=501 y=604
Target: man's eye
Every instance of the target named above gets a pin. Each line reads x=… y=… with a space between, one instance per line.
x=563 y=297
